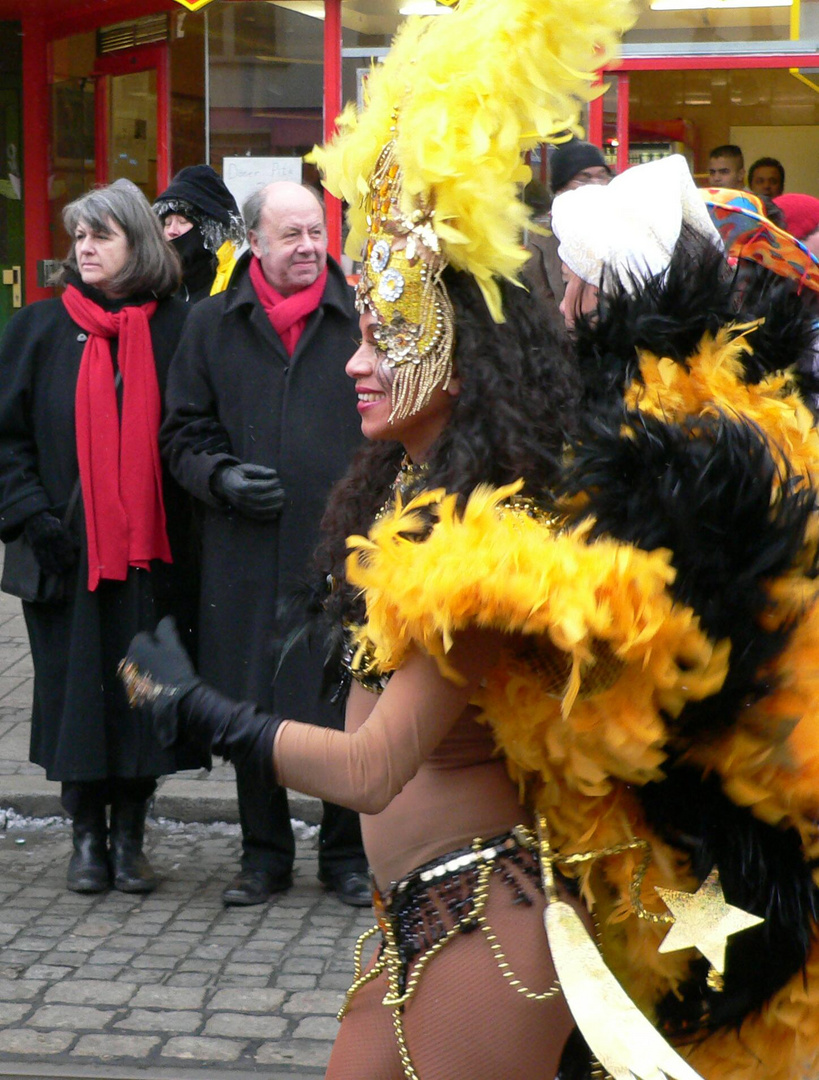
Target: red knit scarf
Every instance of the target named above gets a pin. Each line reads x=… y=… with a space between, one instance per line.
x=288 y=314
x=120 y=471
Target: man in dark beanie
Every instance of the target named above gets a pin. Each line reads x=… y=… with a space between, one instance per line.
x=575 y=163
x=202 y=221
x=571 y=165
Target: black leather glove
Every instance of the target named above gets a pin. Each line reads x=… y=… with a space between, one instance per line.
x=159 y=675
x=51 y=543
x=254 y=490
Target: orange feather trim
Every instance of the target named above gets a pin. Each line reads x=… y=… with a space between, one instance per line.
x=576 y=749
x=780 y=1042
x=713 y=384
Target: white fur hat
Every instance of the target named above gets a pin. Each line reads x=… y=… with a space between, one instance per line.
x=631 y=225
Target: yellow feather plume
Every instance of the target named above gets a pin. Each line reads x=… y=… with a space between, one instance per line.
x=472 y=91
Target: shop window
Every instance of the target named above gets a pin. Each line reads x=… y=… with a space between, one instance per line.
x=188 y=90
x=687 y=22
x=266 y=80
x=72 y=161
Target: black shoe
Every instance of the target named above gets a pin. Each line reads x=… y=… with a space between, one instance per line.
x=255 y=887
x=350 y=886
x=88 y=866
x=130 y=870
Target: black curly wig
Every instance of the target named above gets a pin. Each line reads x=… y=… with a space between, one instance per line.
x=517 y=406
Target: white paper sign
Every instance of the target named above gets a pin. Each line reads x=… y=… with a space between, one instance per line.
x=244 y=175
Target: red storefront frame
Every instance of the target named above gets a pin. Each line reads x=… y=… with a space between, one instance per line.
x=620 y=74
x=40 y=29
x=143 y=58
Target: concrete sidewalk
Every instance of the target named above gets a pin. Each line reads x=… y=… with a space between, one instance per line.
x=169 y=986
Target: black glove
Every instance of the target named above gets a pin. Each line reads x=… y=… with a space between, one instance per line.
x=159 y=675
x=254 y=490
x=51 y=543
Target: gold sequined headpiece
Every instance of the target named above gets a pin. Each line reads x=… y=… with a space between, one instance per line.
x=401 y=286
x=432 y=168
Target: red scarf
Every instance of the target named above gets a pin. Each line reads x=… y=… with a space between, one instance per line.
x=288 y=314
x=120 y=471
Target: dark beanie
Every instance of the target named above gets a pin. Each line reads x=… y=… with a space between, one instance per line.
x=202 y=188
x=570 y=158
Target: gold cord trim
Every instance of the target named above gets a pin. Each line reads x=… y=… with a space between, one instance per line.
x=390 y=960
x=359 y=977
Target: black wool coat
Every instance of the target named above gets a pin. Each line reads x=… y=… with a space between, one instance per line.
x=82 y=726
x=234 y=396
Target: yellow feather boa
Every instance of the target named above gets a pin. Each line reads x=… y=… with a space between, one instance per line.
x=576 y=753
x=480 y=86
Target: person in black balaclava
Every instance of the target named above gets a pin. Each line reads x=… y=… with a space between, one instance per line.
x=202 y=221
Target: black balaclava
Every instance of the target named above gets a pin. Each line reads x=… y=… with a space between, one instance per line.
x=202 y=196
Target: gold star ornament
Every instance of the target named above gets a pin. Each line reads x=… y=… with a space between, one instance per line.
x=704 y=920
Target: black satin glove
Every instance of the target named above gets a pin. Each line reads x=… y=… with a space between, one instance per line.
x=51 y=543
x=254 y=490
x=159 y=676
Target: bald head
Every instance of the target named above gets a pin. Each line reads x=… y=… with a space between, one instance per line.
x=288 y=235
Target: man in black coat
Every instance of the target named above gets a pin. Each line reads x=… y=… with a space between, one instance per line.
x=261 y=422
x=571 y=165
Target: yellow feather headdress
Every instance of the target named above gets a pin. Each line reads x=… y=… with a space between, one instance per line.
x=473 y=91
x=448 y=117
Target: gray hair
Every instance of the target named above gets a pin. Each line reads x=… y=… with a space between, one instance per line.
x=253 y=206
x=153 y=266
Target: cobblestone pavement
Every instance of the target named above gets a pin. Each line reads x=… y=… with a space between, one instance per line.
x=171 y=985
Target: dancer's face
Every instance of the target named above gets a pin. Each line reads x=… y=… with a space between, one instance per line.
x=579 y=298
x=373 y=383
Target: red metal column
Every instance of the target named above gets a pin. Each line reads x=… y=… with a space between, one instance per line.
x=332 y=107
x=595 y=133
x=622 y=122
x=36 y=125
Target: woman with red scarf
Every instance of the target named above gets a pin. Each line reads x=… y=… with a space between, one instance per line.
x=81 y=384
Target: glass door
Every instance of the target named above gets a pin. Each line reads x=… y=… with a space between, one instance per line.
x=132 y=118
x=132 y=130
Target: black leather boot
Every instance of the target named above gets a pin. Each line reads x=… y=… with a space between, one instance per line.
x=130 y=870
x=88 y=866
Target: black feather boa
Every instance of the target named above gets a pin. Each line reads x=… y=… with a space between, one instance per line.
x=669 y=315
x=710 y=492
x=762 y=870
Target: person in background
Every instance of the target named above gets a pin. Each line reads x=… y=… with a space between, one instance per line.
x=801 y=214
x=261 y=423
x=571 y=165
x=201 y=219
x=767 y=177
x=576 y=163
x=726 y=167
x=80 y=406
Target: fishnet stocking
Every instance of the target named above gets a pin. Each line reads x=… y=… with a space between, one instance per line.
x=465 y=1022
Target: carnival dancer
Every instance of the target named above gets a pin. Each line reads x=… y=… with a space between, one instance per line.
x=488 y=609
